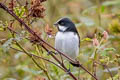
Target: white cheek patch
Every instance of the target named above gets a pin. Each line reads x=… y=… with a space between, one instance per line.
x=62 y=28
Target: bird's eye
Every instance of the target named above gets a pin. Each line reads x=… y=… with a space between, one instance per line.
x=62 y=23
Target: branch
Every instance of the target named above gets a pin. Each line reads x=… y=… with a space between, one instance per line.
x=31 y=54
x=41 y=40
x=64 y=68
x=31 y=31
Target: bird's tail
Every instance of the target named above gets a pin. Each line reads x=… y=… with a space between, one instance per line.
x=75 y=64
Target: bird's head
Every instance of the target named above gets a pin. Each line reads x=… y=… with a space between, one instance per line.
x=65 y=25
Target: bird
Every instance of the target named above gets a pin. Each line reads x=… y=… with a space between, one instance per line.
x=67 y=39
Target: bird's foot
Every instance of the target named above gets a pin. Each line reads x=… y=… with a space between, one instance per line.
x=68 y=71
x=50 y=52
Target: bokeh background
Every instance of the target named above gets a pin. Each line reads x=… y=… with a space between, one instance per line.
x=90 y=17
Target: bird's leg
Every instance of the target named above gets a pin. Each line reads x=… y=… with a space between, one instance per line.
x=69 y=70
x=61 y=59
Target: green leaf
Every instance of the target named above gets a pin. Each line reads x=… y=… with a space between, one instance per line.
x=1 y=29
x=22 y=11
x=103 y=53
x=55 y=69
x=19 y=11
x=109 y=49
x=102 y=9
x=86 y=39
x=106 y=50
x=105 y=59
x=16 y=10
x=110 y=3
x=3 y=25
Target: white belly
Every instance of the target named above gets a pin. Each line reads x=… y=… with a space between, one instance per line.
x=68 y=43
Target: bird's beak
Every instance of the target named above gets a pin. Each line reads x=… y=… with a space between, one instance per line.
x=55 y=24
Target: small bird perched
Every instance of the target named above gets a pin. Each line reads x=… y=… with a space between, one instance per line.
x=67 y=39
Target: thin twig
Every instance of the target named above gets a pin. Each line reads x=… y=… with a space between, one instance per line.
x=31 y=54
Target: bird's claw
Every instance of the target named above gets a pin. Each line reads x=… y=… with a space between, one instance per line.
x=68 y=71
x=49 y=52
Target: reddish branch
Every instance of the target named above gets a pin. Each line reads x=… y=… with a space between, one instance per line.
x=41 y=40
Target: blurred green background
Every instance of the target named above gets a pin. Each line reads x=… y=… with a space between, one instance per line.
x=90 y=17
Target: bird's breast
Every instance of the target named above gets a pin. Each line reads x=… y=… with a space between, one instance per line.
x=68 y=43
